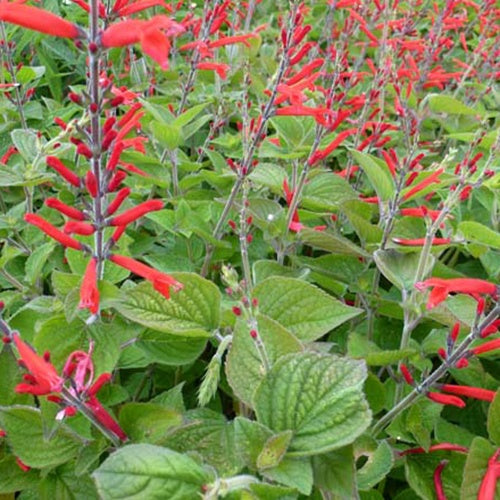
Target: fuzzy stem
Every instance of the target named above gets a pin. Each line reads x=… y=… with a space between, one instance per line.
x=424 y=386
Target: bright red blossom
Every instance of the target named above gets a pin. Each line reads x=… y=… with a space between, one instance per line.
x=42 y=378
x=89 y=294
x=441 y=288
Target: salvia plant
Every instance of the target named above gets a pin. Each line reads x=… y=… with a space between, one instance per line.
x=249 y=250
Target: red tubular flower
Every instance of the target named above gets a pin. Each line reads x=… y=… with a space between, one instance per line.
x=431 y=179
x=487 y=489
x=37 y=19
x=151 y=34
x=134 y=213
x=435 y=447
x=119 y=199
x=115 y=156
x=63 y=170
x=321 y=154
x=418 y=242
x=470 y=392
x=89 y=294
x=52 y=231
x=445 y=399
x=230 y=40
x=442 y=287
x=79 y=227
x=407 y=375
x=161 y=281
x=43 y=378
x=486 y=347
x=421 y=211
x=438 y=483
x=91 y=184
x=61 y=207
x=22 y=465
x=105 y=418
x=116 y=180
x=220 y=69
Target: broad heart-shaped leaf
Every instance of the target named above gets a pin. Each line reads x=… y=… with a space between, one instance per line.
x=317 y=396
x=244 y=369
x=378 y=174
x=302 y=308
x=295 y=131
x=325 y=192
x=476 y=232
x=26 y=437
x=400 y=268
x=148 y=471
x=210 y=435
x=475 y=468
x=335 y=472
x=191 y=312
x=494 y=419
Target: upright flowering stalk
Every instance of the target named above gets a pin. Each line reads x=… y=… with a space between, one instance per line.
x=101 y=143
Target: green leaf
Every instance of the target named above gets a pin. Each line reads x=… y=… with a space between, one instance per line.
x=36 y=261
x=325 y=192
x=250 y=438
x=26 y=142
x=168 y=349
x=494 y=419
x=475 y=468
x=10 y=374
x=190 y=114
x=13 y=478
x=379 y=463
x=294 y=472
x=335 y=472
x=191 y=312
x=295 y=131
x=476 y=232
x=147 y=422
x=331 y=243
x=210 y=435
x=147 y=471
x=378 y=174
x=317 y=396
x=244 y=369
x=270 y=176
x=302 y=308
x=25 y=434
x=274 y=450
x=400 y=268
x=168 y=135
x=440 y=103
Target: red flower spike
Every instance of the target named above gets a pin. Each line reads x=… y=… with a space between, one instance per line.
x=161 y=281
x=39 y=20
x=52 y=231
x=438 y=483
x=79 y=227
x=134 y=213
x=491 y=345
x=45 y=379
x=119 y=199
x=63 y=170
x=445 y=399
x=89 y=294
x=442 y=287
x=61 y=207
x=487 y=489
x=470 y=392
